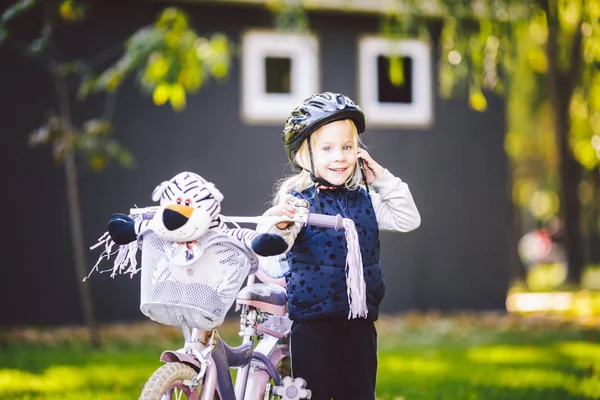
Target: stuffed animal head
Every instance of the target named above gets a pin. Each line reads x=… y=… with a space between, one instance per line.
x=189 y=207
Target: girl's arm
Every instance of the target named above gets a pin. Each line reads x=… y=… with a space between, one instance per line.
x=285 y=207
x=394 y=205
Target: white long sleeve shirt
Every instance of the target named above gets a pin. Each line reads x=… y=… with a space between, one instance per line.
x=395 y=208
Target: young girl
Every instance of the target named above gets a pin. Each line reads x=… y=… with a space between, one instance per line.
x=333 y=347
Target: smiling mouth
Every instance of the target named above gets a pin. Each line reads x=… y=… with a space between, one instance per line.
x=338 y=169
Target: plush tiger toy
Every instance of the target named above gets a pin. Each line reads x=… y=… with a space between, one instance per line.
x=189 y=207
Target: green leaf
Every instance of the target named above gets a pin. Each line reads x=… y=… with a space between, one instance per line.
x=39 y=44
x=125 y=158
x=97 y=161
x=477 y=100
x=86 y=85
x=161 y=93
x=69 y=68
x=396 y=70
x=70 y=11
x=17 y=8
x=97 y=127
x=49 y=132
x=177 y=97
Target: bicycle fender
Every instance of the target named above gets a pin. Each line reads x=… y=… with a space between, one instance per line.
x=169 y=356
x=210 y=376
x=279 y=353
x=259 y=377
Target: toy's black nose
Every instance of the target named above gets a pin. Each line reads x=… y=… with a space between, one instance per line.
x=173 y=220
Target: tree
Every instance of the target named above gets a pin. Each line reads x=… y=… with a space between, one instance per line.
x=170 y=59
x=546 y=42
x=543 y=57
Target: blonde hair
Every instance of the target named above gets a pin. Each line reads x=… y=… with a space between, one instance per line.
x=301 y=181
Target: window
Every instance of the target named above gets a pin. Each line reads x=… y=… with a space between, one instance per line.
x=279 y=70
x=395 y=84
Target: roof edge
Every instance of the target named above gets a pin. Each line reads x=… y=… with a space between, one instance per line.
x=430 y=8
x=341 y=6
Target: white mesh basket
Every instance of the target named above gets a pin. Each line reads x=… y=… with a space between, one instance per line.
x=195 y=290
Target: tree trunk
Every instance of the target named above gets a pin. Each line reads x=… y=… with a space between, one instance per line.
x=67 y=135
x=561 y=85
x=74 y=208
x=570 y=175
x=78 y=249
x=516 y=269
x=593 y=239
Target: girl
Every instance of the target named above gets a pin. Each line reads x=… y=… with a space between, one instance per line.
x=333 y=346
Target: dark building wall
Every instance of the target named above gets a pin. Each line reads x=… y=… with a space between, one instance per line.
x=456 y=170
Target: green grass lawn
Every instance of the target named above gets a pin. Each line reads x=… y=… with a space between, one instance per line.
x=460 y=357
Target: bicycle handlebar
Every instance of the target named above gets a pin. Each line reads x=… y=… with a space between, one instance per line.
x=327 y=221
x=322 y=220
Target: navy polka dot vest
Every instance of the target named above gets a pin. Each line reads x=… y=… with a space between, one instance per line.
x=316 y=280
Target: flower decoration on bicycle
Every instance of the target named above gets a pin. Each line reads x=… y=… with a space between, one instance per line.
x=192 y=263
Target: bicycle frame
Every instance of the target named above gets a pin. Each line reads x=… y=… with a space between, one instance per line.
x=211 y=357
x=263 y=323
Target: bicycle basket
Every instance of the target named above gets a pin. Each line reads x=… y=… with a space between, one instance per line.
x=196 y=294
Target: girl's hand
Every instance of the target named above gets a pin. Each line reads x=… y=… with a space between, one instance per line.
x=373 y=171
x=286 y=207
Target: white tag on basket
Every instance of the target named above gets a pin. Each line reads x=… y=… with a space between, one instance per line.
x=184 y=253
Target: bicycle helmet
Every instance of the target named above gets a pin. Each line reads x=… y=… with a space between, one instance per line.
x=314 y=112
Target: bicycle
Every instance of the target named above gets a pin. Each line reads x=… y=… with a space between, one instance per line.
x=195 y=293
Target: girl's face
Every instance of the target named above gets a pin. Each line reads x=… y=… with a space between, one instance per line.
x=334 y=151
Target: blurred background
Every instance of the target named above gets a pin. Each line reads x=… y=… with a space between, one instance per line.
x=489 y=110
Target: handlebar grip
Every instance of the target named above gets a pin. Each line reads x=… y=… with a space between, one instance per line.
x=326 y=221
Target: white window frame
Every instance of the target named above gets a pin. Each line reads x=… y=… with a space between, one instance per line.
x=260 y=107
x=419 y=113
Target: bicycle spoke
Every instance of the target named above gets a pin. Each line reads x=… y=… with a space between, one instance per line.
x=174 y=394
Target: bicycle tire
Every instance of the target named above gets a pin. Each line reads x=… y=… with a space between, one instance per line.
x=167 y=383
x=283 y=367
x=283 y=370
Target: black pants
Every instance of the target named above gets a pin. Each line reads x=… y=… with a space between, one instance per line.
x=337 y=358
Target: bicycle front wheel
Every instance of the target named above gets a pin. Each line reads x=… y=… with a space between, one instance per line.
x=171 y=381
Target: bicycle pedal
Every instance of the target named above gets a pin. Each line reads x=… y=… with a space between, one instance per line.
x=292 y=389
